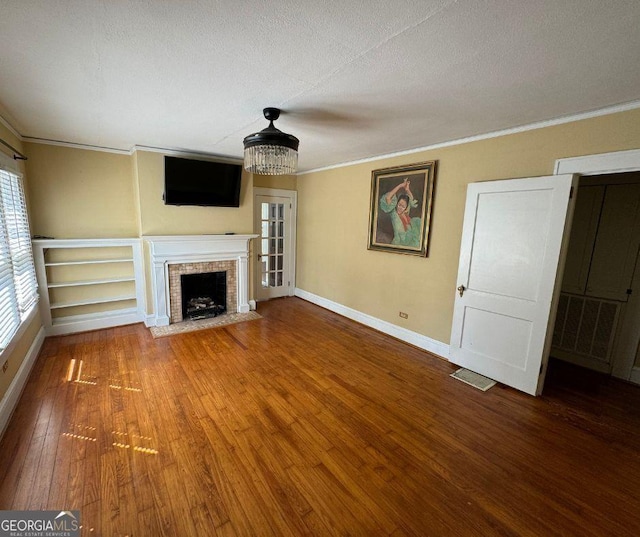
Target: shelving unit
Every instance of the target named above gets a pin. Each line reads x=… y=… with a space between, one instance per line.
x=86 y=284
x=91 y=282
x=89 y=262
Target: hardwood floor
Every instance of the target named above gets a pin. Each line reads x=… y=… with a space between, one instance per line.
x=305 y=423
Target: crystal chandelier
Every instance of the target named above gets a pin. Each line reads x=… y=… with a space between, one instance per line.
x=271 y=151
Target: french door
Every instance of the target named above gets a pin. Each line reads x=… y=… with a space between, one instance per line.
x=274 y=217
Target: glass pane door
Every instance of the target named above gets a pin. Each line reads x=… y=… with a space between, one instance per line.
x=274 y=240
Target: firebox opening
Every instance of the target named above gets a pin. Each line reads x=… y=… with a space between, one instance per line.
x=203 y=295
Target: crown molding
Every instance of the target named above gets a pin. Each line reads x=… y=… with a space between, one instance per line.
x=186 y=153
x=633 y=105
x=11 y=129
x=60 y=143
x=134 y=149
x=624 y=107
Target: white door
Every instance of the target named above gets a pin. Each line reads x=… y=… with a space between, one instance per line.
x=514 y=239
x=274 y=251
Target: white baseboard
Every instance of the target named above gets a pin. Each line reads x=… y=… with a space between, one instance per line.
x=418 y=340
x=635 y=375
x=12 y=396
x=93 y=321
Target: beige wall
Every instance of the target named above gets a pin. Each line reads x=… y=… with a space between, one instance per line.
x=284 y=182
x=333 y=206
x=76 y=193
x=22 y=345
x=18 y=354
x=160 y=219
x=82 y=193
x=156 y=218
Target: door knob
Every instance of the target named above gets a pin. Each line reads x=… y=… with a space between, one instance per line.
x=461 y=289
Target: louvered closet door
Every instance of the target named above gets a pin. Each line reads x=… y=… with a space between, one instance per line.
x=585 y=331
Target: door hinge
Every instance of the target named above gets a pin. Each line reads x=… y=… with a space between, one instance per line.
x=571 y=193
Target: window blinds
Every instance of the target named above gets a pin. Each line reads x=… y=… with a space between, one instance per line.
x=18 y=287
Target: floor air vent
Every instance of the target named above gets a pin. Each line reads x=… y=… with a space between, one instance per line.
x=473 y=379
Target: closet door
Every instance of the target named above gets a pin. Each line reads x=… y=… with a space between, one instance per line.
x=583 y=238
x=616 y=244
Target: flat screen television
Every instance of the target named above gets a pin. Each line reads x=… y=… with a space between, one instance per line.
x=201 y=182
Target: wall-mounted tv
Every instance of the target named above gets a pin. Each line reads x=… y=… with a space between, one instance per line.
x=201 y=182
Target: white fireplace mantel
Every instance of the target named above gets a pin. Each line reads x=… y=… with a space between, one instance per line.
x=165 y=250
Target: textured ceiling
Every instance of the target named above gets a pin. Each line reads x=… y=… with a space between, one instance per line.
x=355 y=79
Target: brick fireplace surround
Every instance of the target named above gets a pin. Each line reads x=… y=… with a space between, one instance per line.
x=175 y=287
x=172 y=256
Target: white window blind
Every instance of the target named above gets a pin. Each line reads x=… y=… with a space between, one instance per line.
x=18 y=287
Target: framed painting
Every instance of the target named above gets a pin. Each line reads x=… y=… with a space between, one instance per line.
x=400 y=215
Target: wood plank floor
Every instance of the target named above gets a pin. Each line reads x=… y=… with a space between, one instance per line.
x=305 y=423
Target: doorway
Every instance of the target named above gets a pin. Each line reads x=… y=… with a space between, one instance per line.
x=275 y=222
x=621 y=168
x=601 y=273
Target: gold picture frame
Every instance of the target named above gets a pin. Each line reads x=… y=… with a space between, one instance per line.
x=401 y=205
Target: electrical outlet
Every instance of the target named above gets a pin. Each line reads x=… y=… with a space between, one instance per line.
x=5 y=366
x=404 y=315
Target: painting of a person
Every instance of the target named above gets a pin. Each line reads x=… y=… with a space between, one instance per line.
x=397 y=203
x=400 y=212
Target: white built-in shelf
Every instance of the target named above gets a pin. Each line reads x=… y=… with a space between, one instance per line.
x=99 y=262
x=89 y=301
x=91 y=282
x=88 y=262
x=61 y=322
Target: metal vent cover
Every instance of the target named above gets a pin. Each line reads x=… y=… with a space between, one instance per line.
x=473 y=379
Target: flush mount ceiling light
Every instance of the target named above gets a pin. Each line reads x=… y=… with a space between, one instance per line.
x=271 y=151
